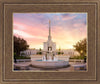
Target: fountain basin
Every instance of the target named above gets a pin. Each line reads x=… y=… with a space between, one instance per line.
x=49 y=64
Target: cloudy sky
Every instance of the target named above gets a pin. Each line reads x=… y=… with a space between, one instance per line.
x=66 y=28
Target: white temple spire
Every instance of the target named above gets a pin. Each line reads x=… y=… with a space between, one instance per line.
x=49 y=28
x=49 y=37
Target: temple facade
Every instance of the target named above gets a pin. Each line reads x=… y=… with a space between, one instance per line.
x=49 y=45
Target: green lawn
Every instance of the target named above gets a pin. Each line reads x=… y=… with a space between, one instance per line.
x=77 y=57
x=22 y=57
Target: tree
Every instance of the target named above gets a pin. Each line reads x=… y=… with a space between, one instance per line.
x=19 y=45
x=60 y=52
x=81 y=47
x=40 y=51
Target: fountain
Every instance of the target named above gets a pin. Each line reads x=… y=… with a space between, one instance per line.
x=49 y=56
x=49 y=60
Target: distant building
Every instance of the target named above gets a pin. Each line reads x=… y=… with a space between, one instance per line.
x=29 y=52
x=67 y=52
x=70 y=52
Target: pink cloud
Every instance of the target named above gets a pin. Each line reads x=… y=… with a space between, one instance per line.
x=64 y=35
x=36 y=30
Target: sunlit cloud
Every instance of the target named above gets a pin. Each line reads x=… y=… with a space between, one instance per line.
x=66 y=29
x=26 y=35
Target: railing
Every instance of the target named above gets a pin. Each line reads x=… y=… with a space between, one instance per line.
x=76 y=60
x=23 y=60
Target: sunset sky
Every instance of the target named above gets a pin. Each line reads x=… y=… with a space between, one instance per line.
x=66 y=28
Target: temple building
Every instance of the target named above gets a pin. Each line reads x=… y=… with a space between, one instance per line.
x=49 y=45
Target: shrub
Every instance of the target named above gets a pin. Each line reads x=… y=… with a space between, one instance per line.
x=39 y=53
x=77 y=57
x=60 y=53
x=22 y=57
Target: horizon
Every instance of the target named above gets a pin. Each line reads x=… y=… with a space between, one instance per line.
x=42 y=49
x=66 y=28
